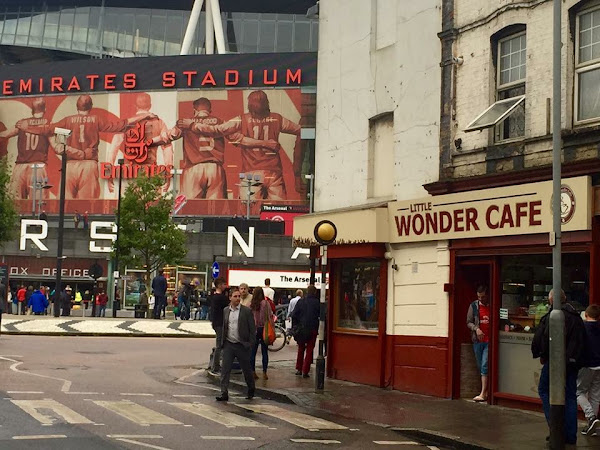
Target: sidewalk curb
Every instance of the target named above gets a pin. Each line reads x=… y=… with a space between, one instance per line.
x=66 y=333
x=437 y=438
x=269 y=394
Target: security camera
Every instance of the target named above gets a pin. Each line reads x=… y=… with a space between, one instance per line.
x=458 y=60
x=62 y=132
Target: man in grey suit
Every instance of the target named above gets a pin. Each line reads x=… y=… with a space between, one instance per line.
x=239 y=334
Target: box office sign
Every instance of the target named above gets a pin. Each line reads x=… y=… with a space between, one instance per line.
x=512 y=210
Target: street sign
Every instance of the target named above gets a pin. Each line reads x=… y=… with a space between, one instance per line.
x=215 y=270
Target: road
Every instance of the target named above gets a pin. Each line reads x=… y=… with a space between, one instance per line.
x=134 y=393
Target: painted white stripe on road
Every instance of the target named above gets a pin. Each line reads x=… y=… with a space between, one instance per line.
x=24 y=392
x=315 y=441
x=39 y=436
x=216 y=415
x=134 y=436
x=143 y=444
x=188 y=396
x=137 y=394
x=295 y=418
x=137 y=413
x=33 y=407
x=396 y=443
x=227 y=438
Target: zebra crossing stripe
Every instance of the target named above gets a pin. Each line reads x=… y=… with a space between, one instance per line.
x=35 y=407
x=137 y=413
x=216 y=415
x=295 y=418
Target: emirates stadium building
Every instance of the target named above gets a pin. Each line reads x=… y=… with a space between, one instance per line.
x=91 y=67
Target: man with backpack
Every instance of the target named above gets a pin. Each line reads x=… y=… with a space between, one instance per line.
x=305 y=316
x=575 y=348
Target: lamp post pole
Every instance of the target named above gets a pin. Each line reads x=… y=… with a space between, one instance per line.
x=320 y=365
x=116 y=269
x=61 y=231
x=557 y=319
x=311 y=192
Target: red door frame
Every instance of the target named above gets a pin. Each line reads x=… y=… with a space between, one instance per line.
x=454 y=366
x=335 y=255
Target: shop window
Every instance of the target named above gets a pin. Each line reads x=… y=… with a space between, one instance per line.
x=526 y=283
x=507 y=114
x=587 y=66
x=358 y=295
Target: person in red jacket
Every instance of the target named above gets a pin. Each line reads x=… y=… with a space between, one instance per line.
x=101 y=301
x=21 y=294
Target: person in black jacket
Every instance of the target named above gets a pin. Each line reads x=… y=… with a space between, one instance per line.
x=218 y=302
x=159 y=287
x=306 y=319
x=588 y=381
x=575 y=344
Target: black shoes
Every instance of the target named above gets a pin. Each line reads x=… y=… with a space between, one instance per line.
x=223 y=398
x=593 y=423
x=305 y=375
x=298 y=372
x=250 y=395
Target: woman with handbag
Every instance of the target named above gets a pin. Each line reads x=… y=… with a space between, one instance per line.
x=263 y=319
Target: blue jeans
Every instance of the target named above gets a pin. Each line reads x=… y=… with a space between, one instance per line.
x=264 y=349
x=481 y=355
x=570 y=400
x=101 y=311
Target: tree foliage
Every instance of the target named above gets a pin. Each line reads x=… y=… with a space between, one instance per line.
x=148 y=238
x=8 y=210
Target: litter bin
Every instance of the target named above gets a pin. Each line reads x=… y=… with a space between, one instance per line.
x=140 y=311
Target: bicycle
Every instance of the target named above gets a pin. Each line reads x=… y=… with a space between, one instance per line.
x=282 y=337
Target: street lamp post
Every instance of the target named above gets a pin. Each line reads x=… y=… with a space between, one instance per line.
x=311 y=191
x=62 y=140
x=35 y=185
x=250 y=182
x=325 y=233
x=116 y=269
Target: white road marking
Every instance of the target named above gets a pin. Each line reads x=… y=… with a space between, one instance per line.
x=39 y=436
x=228 y=438
x=196 y=372
x=143 y=444
x=216 y=415
x=432 y=447
x=188 y=396
x=396 y=443
x=137 y=394
x=295 y=418
x=66 y=387
x=134 y=436
x=137 y=413
x=32 y=408
x=315 y=441
x=24 y=392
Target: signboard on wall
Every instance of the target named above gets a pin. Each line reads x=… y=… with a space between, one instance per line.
x=279 y=279
x=512 y=210
x=210 y=117
x=283 y=213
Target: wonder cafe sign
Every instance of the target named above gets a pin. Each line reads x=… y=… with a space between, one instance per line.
x=522 y=209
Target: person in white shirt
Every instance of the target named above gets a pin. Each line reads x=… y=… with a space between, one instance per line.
x=269 y=293
x=237 y=341
x=293 y=302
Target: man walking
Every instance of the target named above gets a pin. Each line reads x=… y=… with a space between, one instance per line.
x=588 y=380
x=575 y=342
x=238 y=336
x=218 y=302
x=478 y=321
x=246 y=295
x=306 y=316
x=268 y=291
x=159 y=287
x=294 y=302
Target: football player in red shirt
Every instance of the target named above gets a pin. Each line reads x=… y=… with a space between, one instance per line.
x=31 y=149
x=82 y=145
x=264 y=128
x=153 y=128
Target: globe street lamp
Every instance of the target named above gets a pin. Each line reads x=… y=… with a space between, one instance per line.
x=325 y=233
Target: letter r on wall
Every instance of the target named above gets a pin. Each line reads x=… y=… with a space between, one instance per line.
x=36 y=238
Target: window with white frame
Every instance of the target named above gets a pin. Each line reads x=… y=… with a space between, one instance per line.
x=507 y=114
x=587 y=66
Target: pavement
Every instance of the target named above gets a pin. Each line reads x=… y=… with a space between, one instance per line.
x=76 y=325
x=460 y=424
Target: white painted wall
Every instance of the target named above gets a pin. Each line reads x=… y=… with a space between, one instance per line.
x=376 y=57
x=371 y=63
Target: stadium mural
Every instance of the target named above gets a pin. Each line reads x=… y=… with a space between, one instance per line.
x=199 y=135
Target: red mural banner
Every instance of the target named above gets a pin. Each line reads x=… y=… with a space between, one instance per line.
x=202 y=141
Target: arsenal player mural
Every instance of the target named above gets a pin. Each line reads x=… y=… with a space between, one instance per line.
x=213 y=135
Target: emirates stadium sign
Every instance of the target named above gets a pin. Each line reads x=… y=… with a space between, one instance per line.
x=199 y=121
